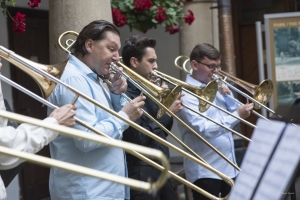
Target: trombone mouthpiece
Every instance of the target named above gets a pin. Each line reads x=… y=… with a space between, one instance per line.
x=154 y=73
x=215 y=77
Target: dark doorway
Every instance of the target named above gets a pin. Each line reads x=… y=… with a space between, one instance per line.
x=32 y=44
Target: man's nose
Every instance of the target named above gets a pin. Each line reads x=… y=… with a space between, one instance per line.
x=216 y=70
x=116 y=56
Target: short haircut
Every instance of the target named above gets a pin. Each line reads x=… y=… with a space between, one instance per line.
x=95 y=30
x=203 y=50
x=135 y=47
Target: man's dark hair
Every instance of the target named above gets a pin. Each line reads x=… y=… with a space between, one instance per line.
x=205 y=50
x=95 y=30
x=135 y=47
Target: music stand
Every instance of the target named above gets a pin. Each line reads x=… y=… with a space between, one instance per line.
x=272 y=159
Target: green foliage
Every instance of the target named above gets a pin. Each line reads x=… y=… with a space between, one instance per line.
x=4 y=6
x=145 y=20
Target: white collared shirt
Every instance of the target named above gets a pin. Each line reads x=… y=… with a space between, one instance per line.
x=217 y=136
x=68 y=185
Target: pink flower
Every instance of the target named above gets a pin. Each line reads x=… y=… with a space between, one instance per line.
x=142 y=5
x=189 y=18
x=34 y=3
x=19 y=23
x=119 y=18
x=173 y=29
x=161 y=14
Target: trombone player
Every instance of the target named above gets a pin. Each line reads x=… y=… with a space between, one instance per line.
x=29 y=138
x=95 y=48
x=139 y=54
x=205 y=61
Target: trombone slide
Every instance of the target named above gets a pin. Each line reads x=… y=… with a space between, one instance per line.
x=151 y=188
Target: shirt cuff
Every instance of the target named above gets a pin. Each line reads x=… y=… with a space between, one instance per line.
x=51 y=120
x=232 y=120
x=123 y=124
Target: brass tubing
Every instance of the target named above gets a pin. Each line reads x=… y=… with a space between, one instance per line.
x=71 y=132
x=167 y=78
x=226 y=179
x=162 y=127
x=124 y=73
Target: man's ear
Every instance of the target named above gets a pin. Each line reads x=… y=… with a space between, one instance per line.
x=133 y=62
x=194 y=65
x=89 y=45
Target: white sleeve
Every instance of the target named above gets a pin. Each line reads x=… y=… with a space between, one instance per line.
x=26 y=138
x=3 y=121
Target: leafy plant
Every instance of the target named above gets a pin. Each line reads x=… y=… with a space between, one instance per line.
x=143 y=15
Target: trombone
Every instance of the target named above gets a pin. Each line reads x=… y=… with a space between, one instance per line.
x=262 y=93
x=45 y=84
x=155 y=94
x=151 y=188
x=200 y=93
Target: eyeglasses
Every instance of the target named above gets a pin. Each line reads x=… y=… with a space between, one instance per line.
x=212 y=66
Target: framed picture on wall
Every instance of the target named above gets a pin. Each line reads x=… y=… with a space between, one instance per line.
x=283 y=56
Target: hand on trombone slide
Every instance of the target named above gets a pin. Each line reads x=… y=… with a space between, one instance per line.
x=134 y=108
x=177 y=106
x=244 y=110
x=65 y=115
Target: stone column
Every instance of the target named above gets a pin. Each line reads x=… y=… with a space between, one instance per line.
x=73 y=15
x=203 y=30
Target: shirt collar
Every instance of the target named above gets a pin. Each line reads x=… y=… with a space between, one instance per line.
x=83 y=68
x=191 y=80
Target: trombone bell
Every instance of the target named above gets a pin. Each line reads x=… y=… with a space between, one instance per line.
x=208 y=93
x=261 y=93
x=46 y=85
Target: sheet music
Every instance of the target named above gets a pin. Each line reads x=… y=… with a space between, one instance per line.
x=280 y=169
x=258 y=153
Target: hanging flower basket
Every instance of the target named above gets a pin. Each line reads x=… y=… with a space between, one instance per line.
x=143 y=15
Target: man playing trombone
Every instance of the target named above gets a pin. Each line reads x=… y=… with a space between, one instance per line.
x=29 y=138
x=96 y=47
x=139 y=54
x=205 y=61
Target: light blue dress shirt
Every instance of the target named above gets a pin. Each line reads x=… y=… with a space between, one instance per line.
x=217 y=136
x=67 y=185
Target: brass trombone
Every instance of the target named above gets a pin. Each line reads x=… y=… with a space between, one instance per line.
x=261 y=93
x=151 y=188
x=149 y=89
x=129 y=73
x=51 y=80
x=202 y=94
x=185 y=70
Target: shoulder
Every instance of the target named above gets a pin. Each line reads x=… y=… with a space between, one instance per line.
x=71 y=71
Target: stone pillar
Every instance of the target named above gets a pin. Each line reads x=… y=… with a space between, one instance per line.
x=203 y=30
x=72 y=15
x=226 y=37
